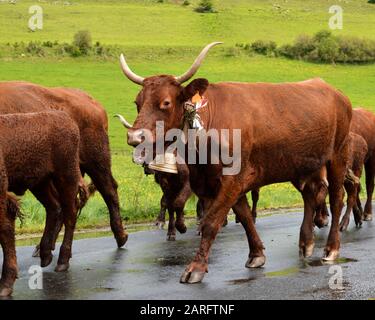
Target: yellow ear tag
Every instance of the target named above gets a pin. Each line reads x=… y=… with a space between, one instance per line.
x=197 y=98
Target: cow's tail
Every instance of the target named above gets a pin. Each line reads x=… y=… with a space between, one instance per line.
x=14 y=208
x=351 y=177
x=85 y=192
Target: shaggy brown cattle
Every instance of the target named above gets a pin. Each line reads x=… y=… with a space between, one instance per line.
x=363 y=124
x=176 y=191
x=358 y=152
x=35 y=150
x=91 y=118
x=289 y=132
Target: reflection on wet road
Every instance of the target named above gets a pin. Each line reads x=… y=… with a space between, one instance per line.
x=149 y=267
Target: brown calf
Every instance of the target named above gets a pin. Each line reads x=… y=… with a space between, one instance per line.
x=38 y=149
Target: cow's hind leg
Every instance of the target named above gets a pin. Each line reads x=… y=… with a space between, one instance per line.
x=351 y=190
x=370 y=175
x=306 y=239
x=357 y=209
x=243 y=213
x=7 y=241
x=46 y=194
x=67 y=189
x=358 y=201
x=100 y=173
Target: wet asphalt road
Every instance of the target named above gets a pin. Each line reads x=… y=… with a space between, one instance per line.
x=149 y=267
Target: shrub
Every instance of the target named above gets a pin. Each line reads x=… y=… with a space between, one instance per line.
x=264 y=47
x=47 y=44
x=325 y=47
x=35 y=48
x=371 y=1
x=186 y=3
x=303 y=46
x=82 y=40
x=69 y=49
x=205 y=6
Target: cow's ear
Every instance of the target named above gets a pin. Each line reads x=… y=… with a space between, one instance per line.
x=196 y=86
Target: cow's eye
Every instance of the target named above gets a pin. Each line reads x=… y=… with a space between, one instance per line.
x=166 y=104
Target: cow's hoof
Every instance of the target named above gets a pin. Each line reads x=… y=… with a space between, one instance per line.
x=181 y=227
x=121 y=240
x=62 y=267
x=36 y=252
x=192 y=277
x=5 y=291
x=46 y=261
x=255 y=262
x=171 y=237
x=344 y=225
x=225 y=223
x=331 y=255
x=309 y=250
x=358 y=224
x=368 y=217
x=321 y=222
x=306 y=251
x=160 y=224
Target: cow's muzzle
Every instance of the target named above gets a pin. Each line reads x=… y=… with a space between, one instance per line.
x=135 y=137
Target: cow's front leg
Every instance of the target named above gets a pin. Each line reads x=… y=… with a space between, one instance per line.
x=211 y=224
x=160 y=220
x=244 y=215
x=336 y=175
x=255 y=199
x=171 y=234
x=321 y=219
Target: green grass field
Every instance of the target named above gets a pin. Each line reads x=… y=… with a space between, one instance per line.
x=165 y=38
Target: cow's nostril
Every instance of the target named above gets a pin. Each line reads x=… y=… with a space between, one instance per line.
x=134 y=137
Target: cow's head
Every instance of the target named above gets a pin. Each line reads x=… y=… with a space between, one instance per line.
x=162 y=98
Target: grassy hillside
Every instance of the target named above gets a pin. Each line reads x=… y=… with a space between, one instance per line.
x=149 y=23
x=165 y=38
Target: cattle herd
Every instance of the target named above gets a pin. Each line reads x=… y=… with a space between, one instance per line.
x=305 y=133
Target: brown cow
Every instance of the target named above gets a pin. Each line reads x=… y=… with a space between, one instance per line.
x=363 y=124
x=358 y=152
x=37 y=149
x=91 y=118
x=289 y=132
x=176 y=192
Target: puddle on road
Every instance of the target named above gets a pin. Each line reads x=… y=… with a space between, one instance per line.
x=164 y=261
x=173 y=261
x=241 y=281
x=320 y=262
x=283 y=272
x=294 y=270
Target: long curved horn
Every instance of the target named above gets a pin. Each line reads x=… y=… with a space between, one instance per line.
x=126 y=124
x=197 y=63
x=128 y=73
